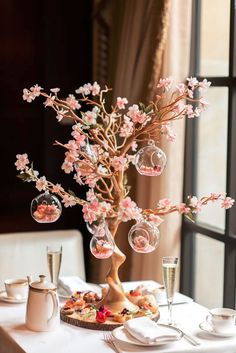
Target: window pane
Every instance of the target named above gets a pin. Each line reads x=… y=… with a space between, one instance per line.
x=214 y=37
x=209 y=271
x=212 y=154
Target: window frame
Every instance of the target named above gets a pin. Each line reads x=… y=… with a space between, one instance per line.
x=189 y=229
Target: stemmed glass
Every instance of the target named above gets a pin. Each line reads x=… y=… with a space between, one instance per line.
x=54 y=256
x=169 y=267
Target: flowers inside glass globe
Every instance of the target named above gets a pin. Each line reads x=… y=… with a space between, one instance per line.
x=45 y=208
x=102 y=244
x=150 y=160
x=144 y=237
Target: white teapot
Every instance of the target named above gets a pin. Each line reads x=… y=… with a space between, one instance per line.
x=42 y=311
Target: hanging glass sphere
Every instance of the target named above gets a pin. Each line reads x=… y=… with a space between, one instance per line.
x=144 y=237
x=102 y=244
x=45 y=208
x=92 y=227
x=150 y=160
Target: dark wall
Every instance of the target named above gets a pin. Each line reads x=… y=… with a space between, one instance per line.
x=49 y=43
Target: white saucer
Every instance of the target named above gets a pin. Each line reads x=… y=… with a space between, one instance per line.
x=205 y=326
x=120 y=334
x=5 y=298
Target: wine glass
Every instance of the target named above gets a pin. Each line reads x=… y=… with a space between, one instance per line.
x=169 y=267
x=54 y=256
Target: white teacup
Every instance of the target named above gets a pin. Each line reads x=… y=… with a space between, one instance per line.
x=16 y=288
x=222 y=320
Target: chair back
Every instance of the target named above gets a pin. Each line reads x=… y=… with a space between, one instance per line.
x=23 y=254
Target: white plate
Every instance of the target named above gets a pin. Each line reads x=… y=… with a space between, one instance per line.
x=5 y=298
x=205 y=326
x=120 y=334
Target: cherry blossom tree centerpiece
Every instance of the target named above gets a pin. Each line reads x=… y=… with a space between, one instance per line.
x=105 y=142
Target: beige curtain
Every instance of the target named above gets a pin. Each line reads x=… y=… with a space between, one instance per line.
x=140 y=31
x=175 y=63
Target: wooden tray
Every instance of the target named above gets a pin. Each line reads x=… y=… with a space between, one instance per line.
x=109 y=325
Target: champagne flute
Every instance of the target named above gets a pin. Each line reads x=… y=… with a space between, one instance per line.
x=54 y=256
x=169 y=266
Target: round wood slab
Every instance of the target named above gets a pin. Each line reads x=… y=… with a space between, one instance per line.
x=109 y=325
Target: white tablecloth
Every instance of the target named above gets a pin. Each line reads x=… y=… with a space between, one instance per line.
x=72 y=339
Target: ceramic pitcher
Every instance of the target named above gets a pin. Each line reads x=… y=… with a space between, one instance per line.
x=42 y=311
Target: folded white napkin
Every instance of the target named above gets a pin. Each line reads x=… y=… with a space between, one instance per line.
x=71 y=284
x=147 y=331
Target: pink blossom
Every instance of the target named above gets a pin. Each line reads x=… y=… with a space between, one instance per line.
x=128 y=210
x=72 y=145
x=77 y=177
x=72 y=102
x=182 y=208
x=165 y=203
x=57 y=188
x=134 y=146
x=90 y=195
x=197 y=112
x=179 y=107
x=203 y=102
x=80 y=139
x=189 y=111
x=91 y=181
x=155 y=219
x=168 y=132
x=119 y=163
x=196 y=204
x=27 y=95
x=165 y=83
x=94 y=210
x=215 y=196
x=190 y=93
x=192 y=81
x=89 y=118
x=21 y=161
x=136 y=115
x=121 y=102
x=127 y=202
x=89 y=214
x=36 y=90
x=85 y=89
x=55 y=90
x=71 y=156
x=49 y=101
x=61 y=114
x=127 y=128
x=67 y=167
x=41 y=183
x=69 y=200
x=95 y=89
x=204 y=85
x=227 y=203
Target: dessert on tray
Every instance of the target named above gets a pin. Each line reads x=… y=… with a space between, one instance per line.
x=83 y=306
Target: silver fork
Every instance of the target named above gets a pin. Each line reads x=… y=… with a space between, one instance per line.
x=108 y=338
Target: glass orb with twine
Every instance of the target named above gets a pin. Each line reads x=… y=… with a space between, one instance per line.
x=45 y=208
x=102 y=244
x=150 y=160
x=144 y=236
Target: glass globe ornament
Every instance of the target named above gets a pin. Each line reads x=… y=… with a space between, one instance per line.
x=144 y=237
x=45 y=208
x=150 y=160
x=92 y=227
x=102 y=244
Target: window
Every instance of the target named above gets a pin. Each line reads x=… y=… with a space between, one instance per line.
x=209 y=244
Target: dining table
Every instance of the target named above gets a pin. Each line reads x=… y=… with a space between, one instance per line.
x=187 y=315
